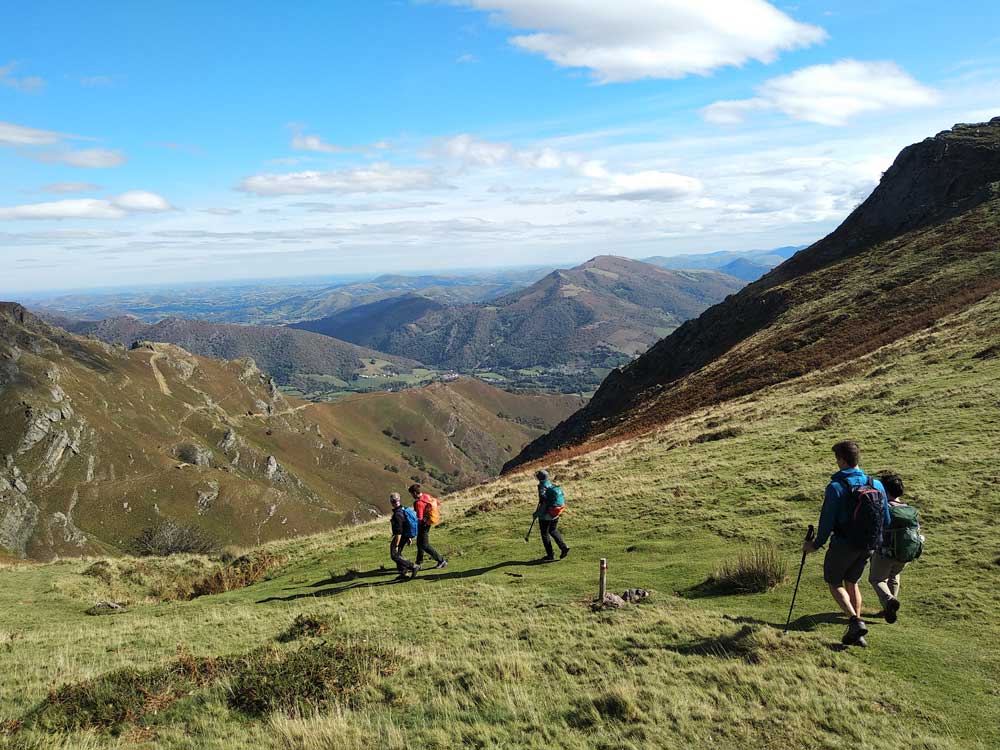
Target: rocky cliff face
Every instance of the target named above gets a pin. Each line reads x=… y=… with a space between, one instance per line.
x=923 y=244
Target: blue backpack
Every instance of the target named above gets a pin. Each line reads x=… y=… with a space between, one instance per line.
x=411 y=522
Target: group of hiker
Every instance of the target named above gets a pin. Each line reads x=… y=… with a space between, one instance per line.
x=409 y=524
x=862 y=517
x=865 y=521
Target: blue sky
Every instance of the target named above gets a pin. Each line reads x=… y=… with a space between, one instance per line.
x=194 y=141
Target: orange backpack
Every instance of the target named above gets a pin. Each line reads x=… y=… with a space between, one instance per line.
x=432 y=513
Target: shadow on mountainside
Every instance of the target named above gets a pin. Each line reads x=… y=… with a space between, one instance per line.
x=452 y=575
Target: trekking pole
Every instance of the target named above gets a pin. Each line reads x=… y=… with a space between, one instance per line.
x=526 y=536
x=810 y=535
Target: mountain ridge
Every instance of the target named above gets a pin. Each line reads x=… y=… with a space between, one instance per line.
x=927 y=232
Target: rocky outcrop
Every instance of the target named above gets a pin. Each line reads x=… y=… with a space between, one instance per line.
x=927 y=187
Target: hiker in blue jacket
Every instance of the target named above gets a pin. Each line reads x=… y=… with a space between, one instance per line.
x=403 y=530
x=550 y=505
x=855 y=512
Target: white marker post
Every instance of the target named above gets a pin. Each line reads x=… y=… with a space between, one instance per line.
x=604 y=579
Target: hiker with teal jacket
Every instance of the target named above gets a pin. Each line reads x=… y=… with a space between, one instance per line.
x=903 y=544
x=855 y=513
x=404 y=528
x=551 y=504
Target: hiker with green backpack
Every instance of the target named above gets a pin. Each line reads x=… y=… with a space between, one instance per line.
x=551 y=504
x=903 y=543
x=855 y=513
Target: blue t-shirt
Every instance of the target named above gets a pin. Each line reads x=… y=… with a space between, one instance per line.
x=836 y=514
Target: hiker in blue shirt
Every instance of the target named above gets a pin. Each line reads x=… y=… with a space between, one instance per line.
x=404 y=528
x=550 y=505
x=855 y=512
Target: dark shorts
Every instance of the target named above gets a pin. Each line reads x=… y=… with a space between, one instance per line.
x=844 y=563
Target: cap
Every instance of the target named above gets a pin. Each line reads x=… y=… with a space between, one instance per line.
x=394 y=499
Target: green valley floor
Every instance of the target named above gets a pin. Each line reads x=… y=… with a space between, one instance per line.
x=496 y=651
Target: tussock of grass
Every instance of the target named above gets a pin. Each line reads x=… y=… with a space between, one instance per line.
x=304 y=626
x=723 y=434
x=170 y=538
x=754 y=571
x=751 y=644
x=124 y=696
x=242 y=572
x=311 y=677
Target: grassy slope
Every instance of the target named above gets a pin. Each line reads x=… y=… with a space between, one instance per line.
x=125 y=472
x=497 y=653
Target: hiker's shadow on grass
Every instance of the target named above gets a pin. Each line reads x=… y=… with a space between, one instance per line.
x=451 y=575
x=352 y=575
x=805 y=623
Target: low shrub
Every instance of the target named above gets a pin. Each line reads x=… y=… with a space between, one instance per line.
x=240 y=573
x=825 y=422
x=308 y=678
x=724 y=434
x=171 y=538
x=753 y=571
x=304 y=626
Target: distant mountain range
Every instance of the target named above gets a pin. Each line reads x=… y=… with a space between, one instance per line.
x=98 y=442
x=922 y=246
x=599 y=314
x=748 y=265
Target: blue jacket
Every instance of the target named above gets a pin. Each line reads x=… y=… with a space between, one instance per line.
x=836 y=513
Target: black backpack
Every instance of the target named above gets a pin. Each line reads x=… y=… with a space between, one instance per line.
x=866 y=524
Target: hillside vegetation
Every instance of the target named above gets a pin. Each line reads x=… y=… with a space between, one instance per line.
x=925 y=243
x=578 y=322
x=304 y=361
x=495 y=651
x=98 y=442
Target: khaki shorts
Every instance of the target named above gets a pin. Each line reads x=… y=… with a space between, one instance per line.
x=844 y=563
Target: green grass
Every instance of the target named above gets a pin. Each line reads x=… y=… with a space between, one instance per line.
x=497 y=652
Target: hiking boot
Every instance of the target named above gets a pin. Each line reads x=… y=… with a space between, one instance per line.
x=855 y=630
x=861 y=642
x=564 y=553
x=442 y=564
x=891 y=610
x=413 y=573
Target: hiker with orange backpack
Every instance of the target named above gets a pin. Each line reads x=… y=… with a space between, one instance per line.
x=855 y=511
x=428 y=510
x=551 y=504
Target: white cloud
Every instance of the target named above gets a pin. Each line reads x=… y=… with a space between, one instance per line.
x=19 y=135
x=466 y=59
x=220 y=211
x=629 y=40
x=829 y=94
x=648 y=185
x=89 y=158
x=303 y=142
x=375 y=178
x=30 y=84
x=133 y=201
x=71 y=187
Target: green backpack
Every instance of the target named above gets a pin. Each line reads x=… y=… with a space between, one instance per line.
x=904 y=540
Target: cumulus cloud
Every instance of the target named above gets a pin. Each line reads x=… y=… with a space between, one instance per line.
x=88 y=158
x=133 y=201
x=375 y=178
x=30 y=84
x=71 y=187
x=633 y=39
x=605 y=184
x=829 y=94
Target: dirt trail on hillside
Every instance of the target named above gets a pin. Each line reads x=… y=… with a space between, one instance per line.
x=160 y=380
